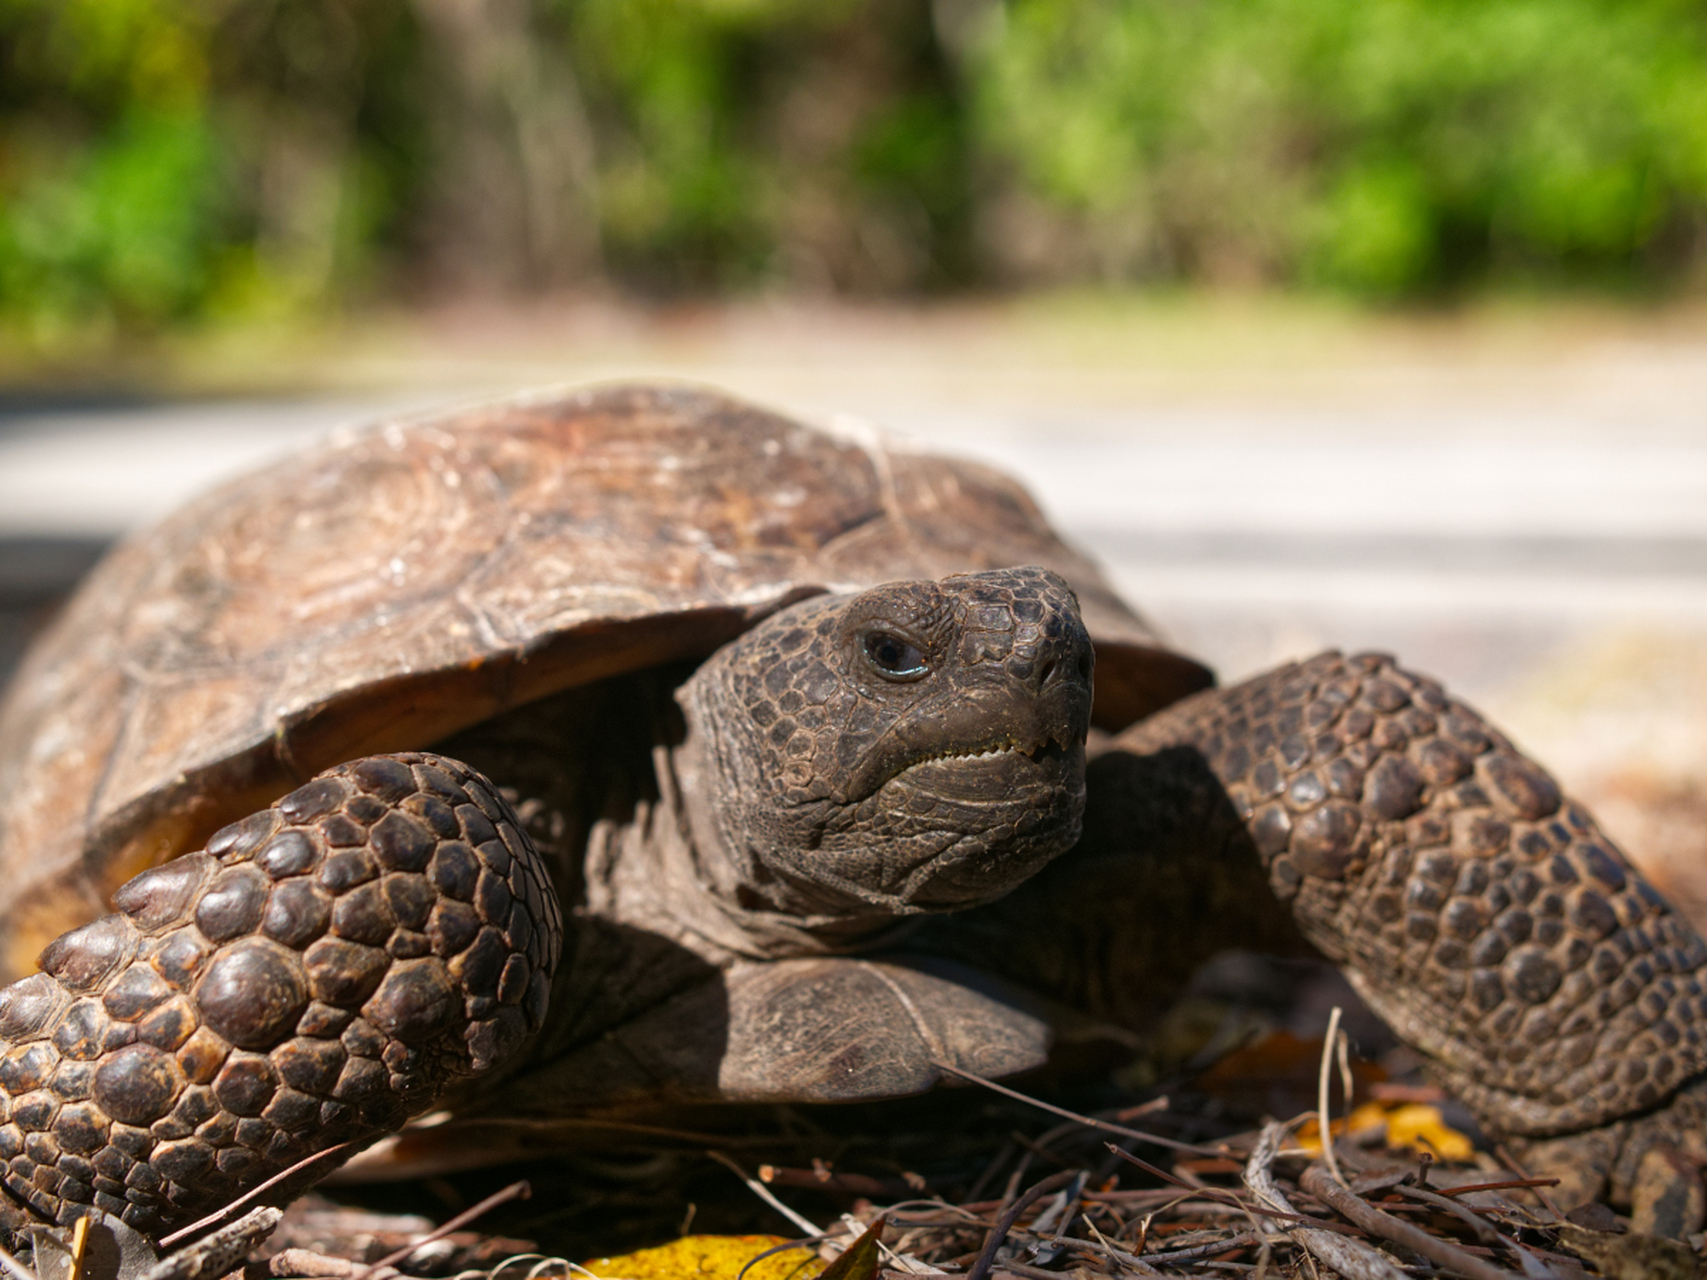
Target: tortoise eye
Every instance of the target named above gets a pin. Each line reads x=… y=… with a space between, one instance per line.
x=894 y=657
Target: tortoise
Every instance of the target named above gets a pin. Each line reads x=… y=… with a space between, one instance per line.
x=597 y=750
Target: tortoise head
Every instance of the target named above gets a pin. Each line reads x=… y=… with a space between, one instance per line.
x=916 y=747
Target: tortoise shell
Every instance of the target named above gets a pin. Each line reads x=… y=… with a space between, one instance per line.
x=390 y=586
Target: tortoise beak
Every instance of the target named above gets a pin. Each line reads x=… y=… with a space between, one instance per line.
x=991 y=718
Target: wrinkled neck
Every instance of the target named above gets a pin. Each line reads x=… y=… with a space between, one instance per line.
x=686 y=867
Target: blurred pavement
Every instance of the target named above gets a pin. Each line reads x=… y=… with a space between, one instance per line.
x=1528 y=523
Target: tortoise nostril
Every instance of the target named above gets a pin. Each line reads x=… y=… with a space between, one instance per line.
x=1064 y=667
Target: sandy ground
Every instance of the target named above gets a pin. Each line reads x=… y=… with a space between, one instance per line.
x=1515 y=501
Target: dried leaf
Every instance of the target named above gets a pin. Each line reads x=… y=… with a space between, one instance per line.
x=713 y=1258
x=859 y=1261
x=112 y=1250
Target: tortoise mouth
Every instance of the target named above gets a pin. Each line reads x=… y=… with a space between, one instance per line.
x=995 y=775
x=981 y=738
x=1050 y=747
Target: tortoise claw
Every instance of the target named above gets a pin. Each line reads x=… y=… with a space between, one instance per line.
x=319 y=974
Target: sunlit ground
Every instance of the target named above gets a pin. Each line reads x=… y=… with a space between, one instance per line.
x=1513 y=497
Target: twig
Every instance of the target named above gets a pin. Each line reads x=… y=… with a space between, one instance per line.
x=757 y=1258
x=1029 y=1272
x=12 y=1267
x=1238 y=1241
x=1065 y=1114
x=1484 y=1230
x=79 y=1244
x=219 y=1251
x=1478 y=1225
x=1508 y=1185
x=1004 y=1224
x=1351 y=1258
x=1546 y=1200
x=1226 y=1199
x=200 y=1224
x=307 y=1264
x=515 y=1191
x=1241 y=1240
x=1322 y=1115
x=764 y=1193
x=824 y=1179
x=1129 y=1260
x=1318 y=1183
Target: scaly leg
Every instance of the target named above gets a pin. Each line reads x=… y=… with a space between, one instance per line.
x=316 y=977
x=1485 y=917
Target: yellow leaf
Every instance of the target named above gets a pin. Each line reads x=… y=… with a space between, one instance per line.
x=711 y=1258
x=1415 y=1124
x=1409 y=1124
x=1371 y=1115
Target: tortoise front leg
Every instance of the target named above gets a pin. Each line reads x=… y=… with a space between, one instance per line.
x=1489 y=921
x=1484 y=916
x=314 y=978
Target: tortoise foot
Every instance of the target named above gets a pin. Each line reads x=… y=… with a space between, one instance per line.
x=1668 y=1199
x=319 y=974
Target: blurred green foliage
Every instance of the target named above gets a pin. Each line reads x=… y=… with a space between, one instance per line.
x=171 y=160
x=1388 y=146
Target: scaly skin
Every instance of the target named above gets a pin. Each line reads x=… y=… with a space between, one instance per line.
x=1489 y=921
x=1483 y=915
x=317 y=976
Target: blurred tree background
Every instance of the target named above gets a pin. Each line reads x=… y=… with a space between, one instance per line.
x=170 y=161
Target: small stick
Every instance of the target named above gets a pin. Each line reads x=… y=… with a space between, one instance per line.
x=1484 y=1230
x=1542 y=1196
x=1129 y=1260
x=752 y=1262
x=764 y=1193
x=1479 y=1226
x=166 y=1242
x=306 y=1264
x=1496 y=1186
x=1322 y=1116
x=12 y=1267
x=79 y=1244
x=218 y=1251
x=1004 y=1224
x=1242 y=1240
x=1351 y=1258
x=1226 y=1199
x=515 y=1191
x=1104 y=1125
x=825 y=1179
x=1318 y=1183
